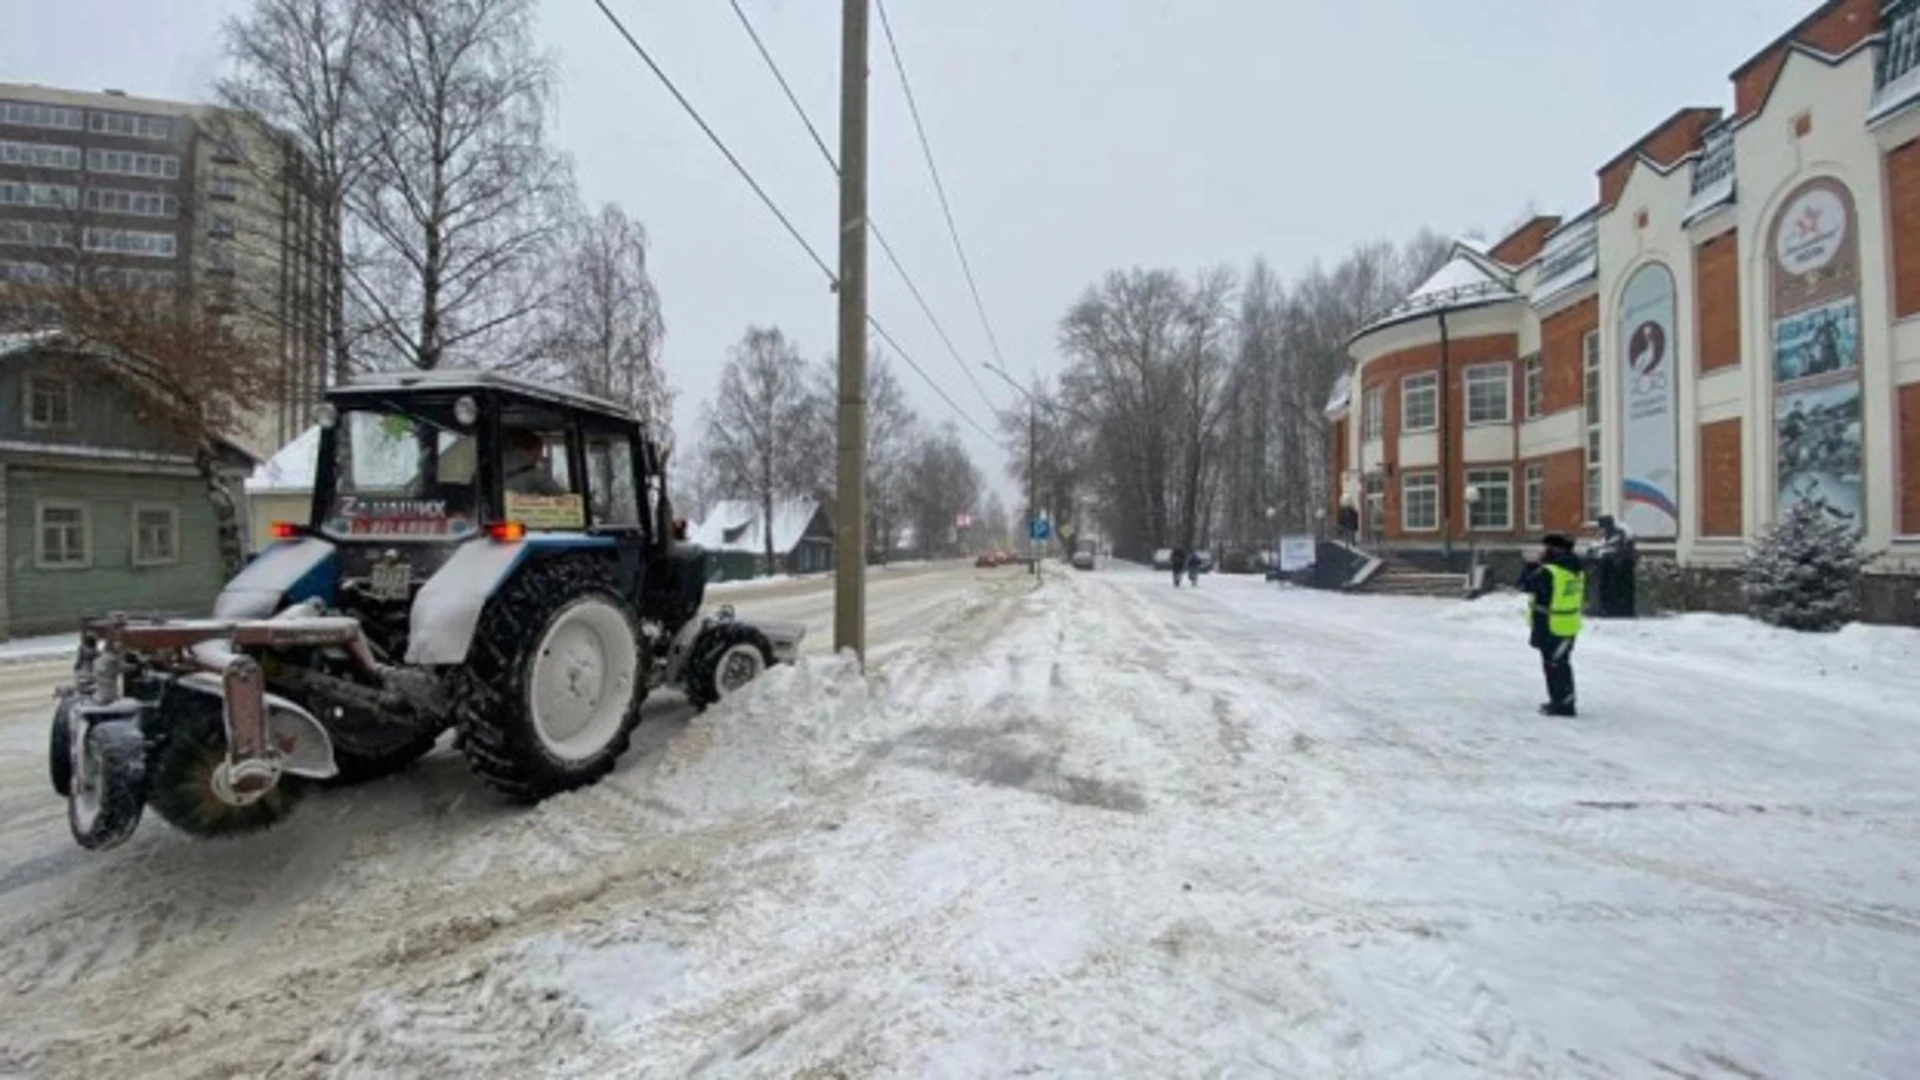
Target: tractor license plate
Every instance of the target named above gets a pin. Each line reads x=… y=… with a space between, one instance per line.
x=390 y=580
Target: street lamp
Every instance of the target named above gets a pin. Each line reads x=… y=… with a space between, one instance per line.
x=1473 y=539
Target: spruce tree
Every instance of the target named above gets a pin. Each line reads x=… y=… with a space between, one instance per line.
x=1802 y=574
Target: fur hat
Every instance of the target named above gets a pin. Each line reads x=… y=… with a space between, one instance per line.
x=1557 y=542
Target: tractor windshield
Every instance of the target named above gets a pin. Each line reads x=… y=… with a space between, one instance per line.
x=403 y=473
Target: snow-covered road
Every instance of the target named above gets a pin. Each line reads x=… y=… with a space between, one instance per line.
x=1100 y=828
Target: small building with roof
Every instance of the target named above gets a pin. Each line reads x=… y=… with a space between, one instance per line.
x=735 y=534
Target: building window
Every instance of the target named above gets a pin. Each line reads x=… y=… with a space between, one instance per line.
x=31 y=114
x=156 y=534
x=34 y=273
x=221 y=227
x=135 y=203
x=1534 y=383
x=223 y=187
x=133 y=163
x=1373 y=414
x=35 y=234
x=61 y=196
x=49 y=402
x=1419 y=403
x=227 y=149
x=155 y=245
x=1493 y=510
x=61 y=537
x=1536 y=494
x=131 y=125
x=120 y=277
x=1593 y=476
x=1490 y=394
x=39 y=155
x=1420 y=502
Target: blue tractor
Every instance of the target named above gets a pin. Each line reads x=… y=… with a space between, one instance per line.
x=483 y=554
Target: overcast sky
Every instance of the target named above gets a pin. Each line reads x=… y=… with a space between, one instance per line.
x=1074 y=136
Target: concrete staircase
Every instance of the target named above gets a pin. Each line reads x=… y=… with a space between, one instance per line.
x=1396 y=578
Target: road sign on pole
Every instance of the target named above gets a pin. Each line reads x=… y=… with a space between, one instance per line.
x=1041 y=529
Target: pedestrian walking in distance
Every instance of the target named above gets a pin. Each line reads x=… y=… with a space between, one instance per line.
x=1178 y=557
x=1557 y=587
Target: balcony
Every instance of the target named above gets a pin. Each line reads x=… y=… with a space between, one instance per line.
x=1713 y=181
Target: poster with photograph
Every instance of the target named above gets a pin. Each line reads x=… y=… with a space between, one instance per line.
x=1819 y=440
x=1822 y=341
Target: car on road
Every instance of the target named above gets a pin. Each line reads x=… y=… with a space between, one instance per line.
x=1083 y=560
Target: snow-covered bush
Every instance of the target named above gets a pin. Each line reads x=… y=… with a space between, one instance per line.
x=1802 y=574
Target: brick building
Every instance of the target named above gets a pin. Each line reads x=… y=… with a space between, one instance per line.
x=1733 y=327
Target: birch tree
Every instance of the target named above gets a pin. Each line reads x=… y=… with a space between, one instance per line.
x=760 y=423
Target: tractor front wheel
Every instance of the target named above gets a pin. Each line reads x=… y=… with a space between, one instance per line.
x=189 y=747
x=725 y=659
x=551 y=690
x=107 y=786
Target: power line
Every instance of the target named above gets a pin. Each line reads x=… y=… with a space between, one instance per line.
x=940 y=189
x=908 y=357
x=885 y=247
x=640 y=51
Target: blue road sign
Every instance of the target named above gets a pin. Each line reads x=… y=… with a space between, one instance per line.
x=1041 y=529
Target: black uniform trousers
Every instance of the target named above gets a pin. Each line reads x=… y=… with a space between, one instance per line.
x=1556 y=659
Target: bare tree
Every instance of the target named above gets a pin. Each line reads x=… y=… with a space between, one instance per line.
x=760 y=422
x=463 y=197
x=892 y=438
x=942 y=482
x=297 y=66
x=605 y=329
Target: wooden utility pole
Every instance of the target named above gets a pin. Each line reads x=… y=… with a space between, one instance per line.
x=1033 y=489
x=850 y=530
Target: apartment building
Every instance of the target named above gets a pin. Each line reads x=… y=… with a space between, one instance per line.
x=140 y=193
x=1732 y=328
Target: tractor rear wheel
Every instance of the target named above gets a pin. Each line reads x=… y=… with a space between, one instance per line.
x=725 y=659
x=551 y=690
x=188 y=747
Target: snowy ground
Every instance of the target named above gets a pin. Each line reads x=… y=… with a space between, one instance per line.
x=1103 y=828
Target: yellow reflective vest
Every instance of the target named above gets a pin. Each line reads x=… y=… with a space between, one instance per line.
x=1569 y=596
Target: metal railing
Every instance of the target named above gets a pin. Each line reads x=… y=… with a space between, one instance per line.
x=1900 y=52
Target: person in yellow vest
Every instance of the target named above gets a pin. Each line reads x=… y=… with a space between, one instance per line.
x=1557 y=584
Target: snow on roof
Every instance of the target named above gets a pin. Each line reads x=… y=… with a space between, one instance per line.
x=1342 y=394
x=480 y=379
x=1467 y=280
x=735 y=525
x=1570 y=259
x=290 y=470
x=21 y=341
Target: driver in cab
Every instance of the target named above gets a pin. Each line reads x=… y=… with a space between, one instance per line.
x=526 y=465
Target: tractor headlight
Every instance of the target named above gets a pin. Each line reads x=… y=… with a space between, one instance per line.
x=327 y=415
x=466 y=411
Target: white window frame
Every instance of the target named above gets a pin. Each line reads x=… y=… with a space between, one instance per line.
x=1485 y=480
x=1430 y=482
x=134 y=242
x=1533 y=387
x=223 y=187
x=1596 y=488
x=1590 y=411
x=1373 y=491
x=133 y=163
x=35 y=423
x=40 y=508
x=1419 y=382
x=36 y=115
x=1534 y=491
x=130 y=125
x=44 y=234
x=135 y=528
x=39 y=155
x=1478 y=373
x=1373 y=413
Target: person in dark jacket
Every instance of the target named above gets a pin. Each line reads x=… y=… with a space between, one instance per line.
x=1557 y=587
x=1177 y=558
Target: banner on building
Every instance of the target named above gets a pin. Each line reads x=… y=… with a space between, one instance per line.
x=1649 y=429
x=1816 y=352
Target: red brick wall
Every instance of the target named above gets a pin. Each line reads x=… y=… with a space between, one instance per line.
x=1833 y=28
x=1561 y=359
x=1909 y=465
x=1462 y=353
x=1903 y=203
x=1525 y=242
x=1720 y=478
x=1716 y=275
x=1675 y=138
x=1564 y=491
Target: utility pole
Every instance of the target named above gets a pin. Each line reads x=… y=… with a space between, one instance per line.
x=850 y=531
